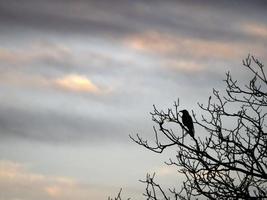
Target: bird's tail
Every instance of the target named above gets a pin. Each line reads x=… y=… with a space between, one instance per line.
x=191 y=132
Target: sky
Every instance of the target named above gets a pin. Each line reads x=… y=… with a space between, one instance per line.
x=78 y=76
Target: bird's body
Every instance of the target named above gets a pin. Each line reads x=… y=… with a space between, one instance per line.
x=188 y=122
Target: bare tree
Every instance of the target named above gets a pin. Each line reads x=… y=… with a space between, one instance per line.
x=229 y=160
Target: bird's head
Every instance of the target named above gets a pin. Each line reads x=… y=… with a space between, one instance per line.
x=184 y=112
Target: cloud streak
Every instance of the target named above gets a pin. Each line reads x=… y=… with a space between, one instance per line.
x=255 y=29
x=18 y=182
x=161 y=43
x=34 y=53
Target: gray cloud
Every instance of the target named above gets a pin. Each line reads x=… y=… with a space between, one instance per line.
x=51 y=126
x=206 y=19
x=63 y=16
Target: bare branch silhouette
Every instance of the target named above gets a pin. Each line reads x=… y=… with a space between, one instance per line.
x=118 y=197
x=229 y=160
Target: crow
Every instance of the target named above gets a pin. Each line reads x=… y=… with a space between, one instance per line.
x=188 y=122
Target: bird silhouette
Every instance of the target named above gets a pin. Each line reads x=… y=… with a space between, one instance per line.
x=188 y=122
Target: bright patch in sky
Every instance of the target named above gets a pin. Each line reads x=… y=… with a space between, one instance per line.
x=77 y=83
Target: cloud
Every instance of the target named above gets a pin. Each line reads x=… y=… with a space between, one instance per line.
x=74 y=82
x=63 y=16
x=184 y=65
x=68 y=82
x=255 y=29
x=207 y=19
x=190 y=47
x=54 y=191
x=49 y=114
x=18 y=182
x=152 y=42
x=36 y=52
x=21 y=80
x=166 y=170
x=17 y=173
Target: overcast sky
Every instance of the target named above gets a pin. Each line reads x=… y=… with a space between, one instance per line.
x=78 y=76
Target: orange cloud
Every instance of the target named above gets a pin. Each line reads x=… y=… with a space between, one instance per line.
x=32 y=186
x=184 y=65
x=70 y=82
x=53 y=191
x=77 y=83
x=9 y=169
x=163 y=43
x=17 y=172
x=36 y=52
x=166 y=171
x=152 y=41
x=255 y=29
